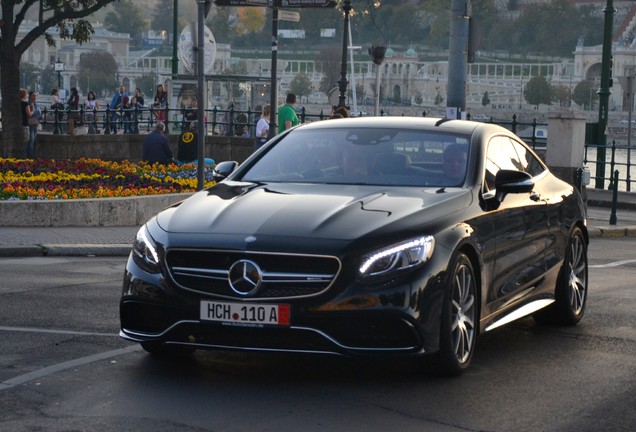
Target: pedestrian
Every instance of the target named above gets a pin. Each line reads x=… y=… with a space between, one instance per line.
x=139 y=96
x=56 y=105
x=262 y=127
x=287 y=117
x=33 y=120
x=135 y=111
x=126 y=115
x=90 y=112
x=115 y=104
x=25 y=111
x=141 y=103
x=156 y=148
x=160 y=103
x=191 y=115
x=73 y=110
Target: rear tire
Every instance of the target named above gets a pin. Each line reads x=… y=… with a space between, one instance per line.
x=572 y=286
x=459 y=331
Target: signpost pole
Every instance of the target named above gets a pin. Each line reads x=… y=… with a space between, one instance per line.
x=201 y=94
x=273 y=99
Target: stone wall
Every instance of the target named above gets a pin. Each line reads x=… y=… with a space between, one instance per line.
x=129 y=147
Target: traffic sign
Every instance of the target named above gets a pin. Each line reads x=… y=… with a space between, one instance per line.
x=307 y=3
x=243 y=2
x=278 y=3
x=288 y=16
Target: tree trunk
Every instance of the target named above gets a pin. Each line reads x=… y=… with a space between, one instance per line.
x=12 y=138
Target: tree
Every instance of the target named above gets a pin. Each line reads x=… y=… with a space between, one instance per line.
x=561 y=94
x=126 y=17
x=329 y=60
x=97 y=72
x=585 y=95
x=538 y=91
x=67 y=16
x=301 y=85
x=162 y=17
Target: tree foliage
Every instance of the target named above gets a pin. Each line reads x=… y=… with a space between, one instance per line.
x=561 y=95
x=329 y=61
x=301 y=85
x=538 y=91
x=67 y=17
x=97 y=72
x=585 y=94
x=126 y=17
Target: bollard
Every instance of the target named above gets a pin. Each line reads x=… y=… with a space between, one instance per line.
x=612 y=220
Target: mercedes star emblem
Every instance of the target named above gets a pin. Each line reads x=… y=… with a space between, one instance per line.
x=245 y=277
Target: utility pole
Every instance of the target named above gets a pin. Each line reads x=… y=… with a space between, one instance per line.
x=604 y=93
x=175 y=24
x=342 y=83
x=273 y=91
x=458 y=59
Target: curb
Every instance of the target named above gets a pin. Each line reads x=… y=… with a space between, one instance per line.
x=65 y=250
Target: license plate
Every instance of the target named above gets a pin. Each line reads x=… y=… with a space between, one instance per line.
x=245 y=314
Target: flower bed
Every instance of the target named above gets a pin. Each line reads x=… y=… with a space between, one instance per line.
x=26 y=179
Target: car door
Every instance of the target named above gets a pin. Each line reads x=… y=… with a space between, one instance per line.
x=520 y=232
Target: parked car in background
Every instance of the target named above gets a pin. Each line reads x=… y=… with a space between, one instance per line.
x=362 y=237
x=535 y=137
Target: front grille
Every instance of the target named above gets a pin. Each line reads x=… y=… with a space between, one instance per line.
x=283 y=275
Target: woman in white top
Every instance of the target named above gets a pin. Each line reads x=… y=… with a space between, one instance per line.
x=91 y=106
x=262 y=127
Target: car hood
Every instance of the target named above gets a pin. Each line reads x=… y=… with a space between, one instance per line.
x=338 y=212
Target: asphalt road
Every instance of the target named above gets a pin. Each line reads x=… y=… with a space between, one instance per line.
x=63 y=368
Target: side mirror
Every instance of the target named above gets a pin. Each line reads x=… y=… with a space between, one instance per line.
x=223 y=169
x=511 y=181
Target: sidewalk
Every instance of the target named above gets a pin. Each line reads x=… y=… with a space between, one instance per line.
x=117 y=241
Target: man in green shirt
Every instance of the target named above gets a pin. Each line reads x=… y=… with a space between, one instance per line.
x=287 y=117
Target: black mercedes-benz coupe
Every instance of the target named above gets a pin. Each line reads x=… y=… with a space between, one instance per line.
x=368 y=236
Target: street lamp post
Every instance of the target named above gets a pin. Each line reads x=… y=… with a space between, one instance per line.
x=342 y=83
x=59 y=67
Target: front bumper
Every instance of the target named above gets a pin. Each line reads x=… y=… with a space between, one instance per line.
x=396 y=319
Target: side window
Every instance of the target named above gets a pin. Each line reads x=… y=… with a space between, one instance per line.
x=501 y=155
x=529 y=162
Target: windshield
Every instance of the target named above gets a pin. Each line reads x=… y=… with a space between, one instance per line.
x=373 y=156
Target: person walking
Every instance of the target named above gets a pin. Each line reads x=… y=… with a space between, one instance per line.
x=33 y=120
x=287 y=117
x=156 y=148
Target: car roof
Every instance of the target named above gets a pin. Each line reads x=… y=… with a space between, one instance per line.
x=465 y=127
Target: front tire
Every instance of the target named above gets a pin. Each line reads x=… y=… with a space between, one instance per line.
x=572 y=286
x=459 y=332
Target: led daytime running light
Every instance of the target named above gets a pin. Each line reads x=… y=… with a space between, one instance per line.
x=420 y=242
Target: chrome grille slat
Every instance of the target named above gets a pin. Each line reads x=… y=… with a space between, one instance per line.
x=206 y=271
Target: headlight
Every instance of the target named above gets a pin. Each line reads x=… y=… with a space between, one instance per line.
x=396 y=258
x=145 y=251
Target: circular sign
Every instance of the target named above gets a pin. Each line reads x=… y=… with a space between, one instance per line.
x=187 y=137
x=187 y=43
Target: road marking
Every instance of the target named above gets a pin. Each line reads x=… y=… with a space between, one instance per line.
x=49 y=370
x=63 y=332
x=614 y=264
